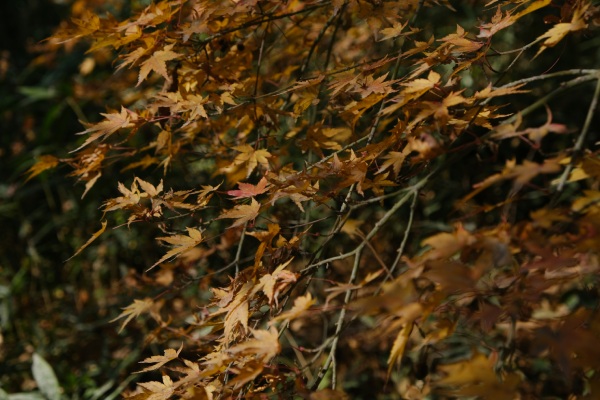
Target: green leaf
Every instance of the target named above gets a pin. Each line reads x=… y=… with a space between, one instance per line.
x=45 y=378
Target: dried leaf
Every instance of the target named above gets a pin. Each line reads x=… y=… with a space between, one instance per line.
x=182 y=243
x=159 y=361
x=301 y=304
x=44 y=162
x=242 y=213
x=399 y=346
x=264 y=346
x=90 y=240
x=157 y=63
x=134 y=310
x=103 y=129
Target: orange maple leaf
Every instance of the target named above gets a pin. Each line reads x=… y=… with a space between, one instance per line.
x=249 y=190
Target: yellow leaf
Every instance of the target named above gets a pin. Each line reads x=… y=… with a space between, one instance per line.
x=559 y=31
x=112 y=123
x=264 y=346
x=149 y=188
x=157 y=63
x=160 y=391
x=159 y=361
x=252 y=157
x=90 y=240
x=242 y=213
x=399 y=345
x=395 y=31
x=44 y=162
x=134 y=310
x=182 y=243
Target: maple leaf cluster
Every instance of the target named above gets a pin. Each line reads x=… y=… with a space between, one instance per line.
x=284 y=153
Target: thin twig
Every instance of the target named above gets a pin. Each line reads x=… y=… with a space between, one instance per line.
x=400 y=250
x=581 y=139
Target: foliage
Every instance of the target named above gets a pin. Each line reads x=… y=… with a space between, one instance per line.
x=330 y=195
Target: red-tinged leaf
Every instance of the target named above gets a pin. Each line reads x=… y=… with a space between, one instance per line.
x=499 y=22
x=134 y=310
x=157 y=63
x=90 y=240
x=182 y=244
x=110 y=125
x=159 y=361
x=44 y=162
x=249 y=190
x=242 y=213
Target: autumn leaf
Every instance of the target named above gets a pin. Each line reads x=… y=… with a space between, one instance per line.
x=249 y=190
x=490 y=92
x=242 y=213
x=160 y=391
x=264 y=346
x=182 y=244
x=44 y=162
x=150 y=189
x=248 y=155
x=393 y=32
x=272 y=284
x=559 y=31
x=157 y=63
x=103 y=129
x=90 y=240
x=301 y=304
x=159 y=361
x=399 y=346
x=134 y=310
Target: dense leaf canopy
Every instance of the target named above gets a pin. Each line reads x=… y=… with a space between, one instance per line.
x=326 y=199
